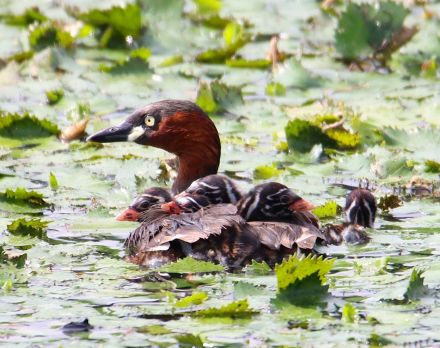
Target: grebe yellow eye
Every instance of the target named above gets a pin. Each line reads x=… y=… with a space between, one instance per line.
x=149 y=121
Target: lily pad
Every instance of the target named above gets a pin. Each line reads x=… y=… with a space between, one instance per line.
x=234 y=310
x=190 y=265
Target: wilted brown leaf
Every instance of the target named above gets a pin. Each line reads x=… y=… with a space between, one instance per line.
x=74 y=131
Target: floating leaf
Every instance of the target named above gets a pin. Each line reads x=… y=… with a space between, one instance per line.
x=172 y=60
x=217 y=96
x=364 y=28
x=258 y=268
x=352 y=33
x=266 y=172
x=249 y=64
x=349 y=313
x=205 y=98
x=189 y=340
x=344 y=139
x=115 y=23
x=10 y=275
x=22 y=242
x=21 y=196
x=136 y=62
x=302 y=281
x=275 y=89
x=302 y=135
x=329 y=210
x=432 y=166
x=3 y=256
x=208 y=7
x=54 y=96
x=416 y=288
x=234 y=37
x=235 y=310
x=190 y=265
x=53 y=182
x=194 y=299
x=376 y=340
x=245 y=289
x=49 y=34
x=153 y=330
x=292 y=74
x=21 y=57
x=25 y=126
x=32 y=227
x=29 y=16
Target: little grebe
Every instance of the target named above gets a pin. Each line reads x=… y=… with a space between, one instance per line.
x=360 y=212
x=217 y=233
x=150 y=197
x=177 y=126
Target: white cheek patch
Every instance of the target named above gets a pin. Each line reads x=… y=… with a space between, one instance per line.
x=135 y=133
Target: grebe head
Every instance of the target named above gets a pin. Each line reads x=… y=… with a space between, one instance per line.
x=176 y=126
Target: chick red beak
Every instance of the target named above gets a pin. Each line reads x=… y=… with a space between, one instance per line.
x=301 y=205
x=128 y=214
x=171 y=208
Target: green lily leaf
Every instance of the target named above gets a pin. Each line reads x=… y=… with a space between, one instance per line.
x=54 y=96
x=190 y=265
x=258 y=268
x=275 y=89
x=293 y=75
x=29 y=16
x=364 y=28
x=249 y=64
x=302 y=135
x=208 y=7
x=153 y=330
x=25 y=126
x=53 y=182
x=172 y=60
x=22 y=242
x=267 y=172
x=234 y=37
x=329 y=210
x=3 y=257
x=349 y=313
x=195 y=299
x=10 y=275
x=32 y=227
x=217 y=96
x=235 y=310
x=189 y=340
x=376 y=340
x=416 y=288
x=136 y=62
x=49 y=34
x=21 y=196
x=21 y=57
x=115 y=23
x=302 y=281
x=432 y=166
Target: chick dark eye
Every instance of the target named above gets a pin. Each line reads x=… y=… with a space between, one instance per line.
x=145 y=205
x=200 y=191
x=284 y=199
